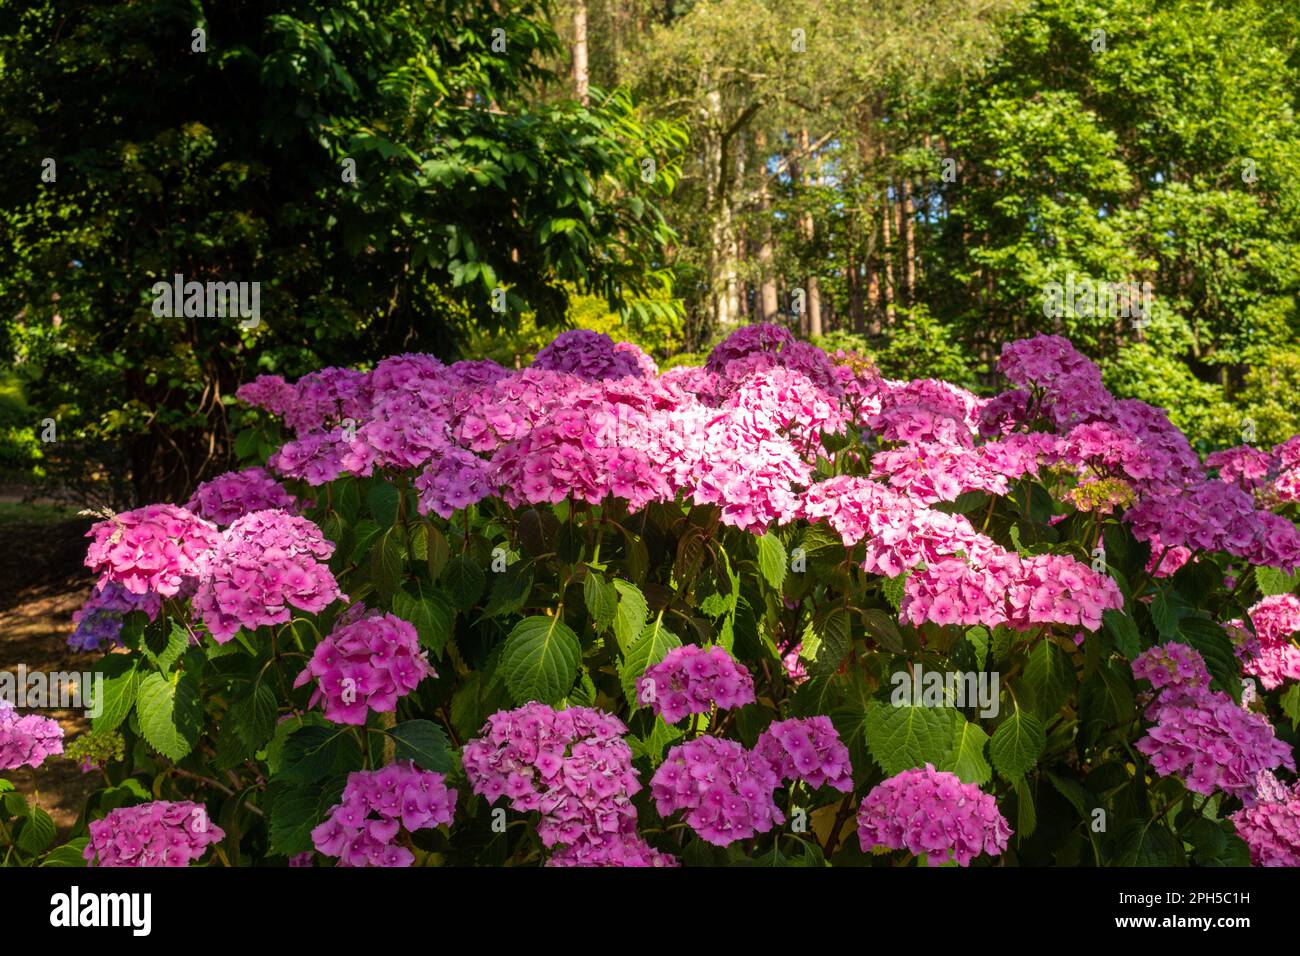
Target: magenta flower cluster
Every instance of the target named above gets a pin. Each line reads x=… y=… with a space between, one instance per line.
x=364 y=828
x=1274 y=657
x=264 y=564
x=162 y=833
x=237 y=493
x=807 y=749
x=931 y=812
x=26 y=741
x=365 y=664
x=693 y=680
x=1270 y=824
x=725 y=789
x=574 y=768
x=155 y=548
x=1200 y=734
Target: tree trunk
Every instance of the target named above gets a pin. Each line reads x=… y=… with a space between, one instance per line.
x=812 y=327
x=581 y=78
x=768 y=300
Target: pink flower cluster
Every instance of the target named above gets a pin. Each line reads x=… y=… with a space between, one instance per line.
x=162 y=833
x=693 y=680
x=1274 y=657
x=573 y=767
x=155 y=548
x=1270 y=826
x=26 y=741
x=931 y=812
x=377 y=805
x=367 y=662
x=1202 y=735
x=725 y=789
x=236 y=493
x=263 y=564
x=807 y=749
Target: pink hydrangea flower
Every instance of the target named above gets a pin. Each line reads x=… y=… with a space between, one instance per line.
x=156 y=548
x=1270 y=825
x=26 y=741
x=377 y=805
x=162 y=833
x=236 y=493
x=725 y=790
x=931 y=812
x=264 y=564
x=692 y=680
x=1274 y=657
x=807 y=749
x=365 y=664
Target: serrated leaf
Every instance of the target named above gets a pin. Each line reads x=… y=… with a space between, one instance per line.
x=539 y=660
x=1164 y=613
x=297 y=811
x=1026 y=814
x=1213 y=644
x=382 y=499
x=69 y=854
x=650 y=647
x=967 y=760
x=121 y=684
x=255 y=715
x=1143 y=843
x=630 y=617
x=310 y=753
x=429 y=611
x=463 y=581
x=170 y=714
x=510 y=589
x=424 y=742
x=601 y=599
x=772 y=559
x=387 y=563
x=830 y=638
x=36 y=832
x=1048 y=680
x=900 y=738
x=1273 y=581
x=1290 y=704
x=1123 y=631
x=1017 y=743
x=881 y=627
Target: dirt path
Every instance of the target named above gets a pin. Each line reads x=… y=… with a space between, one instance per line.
x=41 y=584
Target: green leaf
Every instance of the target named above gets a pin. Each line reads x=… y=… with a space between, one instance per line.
x=652 y=646
x=1143 y=843
x=539 y=660
x=1290 y=704
x=382 y=499
x=882 y=628
x=831 y=639
x=298 y=810
x=68 y=855
x=1123 y=631
x=1213 y=644
x=892 y=589
x=310 y=753
x=36 y=832
x=630 y=617
x=1017 y=744
x=424 y=742
x=429 y=610
x=601 y=599
x=1164 y=613
x=170 y=714
x=979 y=639
x=900 y=738
x=510 y=589
x=1273 y=581
x=121 y=684
x=464 y=581
x=255 y=715
x=772 y=559
x=1026 y=815
x=967 y=760
x=1047 y=681
x=387 y=563
x=1214 y=846
x=164 y=643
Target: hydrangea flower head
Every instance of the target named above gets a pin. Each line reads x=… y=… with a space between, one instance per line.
x=725 y=789
x=931 y=812
x=236 y=493
x=807 y=749
x=377 y=805
x=161 y=833
x=692 y=680
x=26 y=741
x=156 y=548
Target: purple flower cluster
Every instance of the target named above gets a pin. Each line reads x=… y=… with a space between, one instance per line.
x=366 y=663
x=572 y=766
x=26 y=741
x=1270 y=825
x=807 y=749
x=162 y=833
x=236 y=493
x=1202 y=735
x=593 y=355
x=725 y=789
x=264 y=563
x=99 y=621
x=931 y=812
x=692 y=680
x=155 y=548
x=362 y=829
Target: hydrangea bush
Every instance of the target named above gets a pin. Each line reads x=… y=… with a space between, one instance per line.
x=777 y=609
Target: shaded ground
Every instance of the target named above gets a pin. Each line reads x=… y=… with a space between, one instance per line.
x=42 y=582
